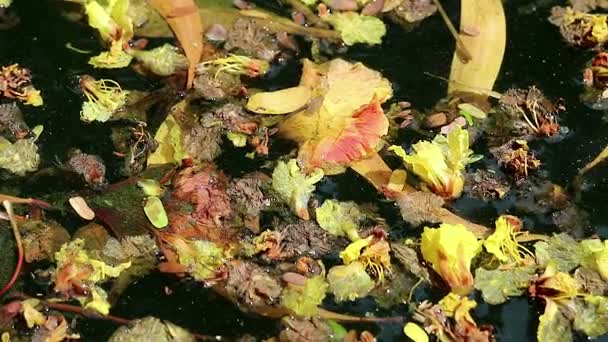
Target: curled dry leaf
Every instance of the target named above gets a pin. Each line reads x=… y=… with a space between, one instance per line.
x=185 y=21
x=81 y=207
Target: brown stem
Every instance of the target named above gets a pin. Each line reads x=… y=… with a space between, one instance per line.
x=19 y=200
x=375 y=170
x=465 y=55
x=115 y=319
x=300 y=7
x=9 y=211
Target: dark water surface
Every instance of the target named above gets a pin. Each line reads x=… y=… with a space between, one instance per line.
x=535 y=55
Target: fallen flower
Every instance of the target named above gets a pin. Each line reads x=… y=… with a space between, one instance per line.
x=16 y=83
x=440 y=163
x=343 y=122
x=339 y=218
x=450 y=250
x=103 y=98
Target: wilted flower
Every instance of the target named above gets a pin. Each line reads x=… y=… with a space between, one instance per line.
x=104 y=97
x=440 y=163
x=450 y=250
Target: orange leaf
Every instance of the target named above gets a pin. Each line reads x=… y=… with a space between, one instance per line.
x=185 y=21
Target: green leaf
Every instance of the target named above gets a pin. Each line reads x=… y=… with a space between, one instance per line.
x=553 y=325
x=304 y=299
x=356 y=28
x=294 y=186
x=349 y=282
x=238 y=139
x=155 y=212
x=201 y=258
x=339 y=218
x=497 y=286
x=591 y=315
x=561 y=248
x=164 y=60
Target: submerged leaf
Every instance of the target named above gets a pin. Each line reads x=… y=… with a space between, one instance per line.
x=294 y=186
x=497 y=286
x=304 y=300
x=339 y=218
x=450 y=250
x=356 y=28
x=155 y=212
x=349 y=282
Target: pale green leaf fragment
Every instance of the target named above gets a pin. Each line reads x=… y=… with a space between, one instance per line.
x=356 y=28
x=294 y=186
x=150 y=187
x=96 y=301
x=472 y=110
x=591 y=315
x=164 y=60
x=349 y=282
x=339 y=218
x=304 y=300
x=596 y=256
x=238 y=139
x=415 y=332
x=112 y=59
x=497 y=286
x=20 y=157
x=155 y=212
x=201 y=258
x=561 y=248
x=553 y=325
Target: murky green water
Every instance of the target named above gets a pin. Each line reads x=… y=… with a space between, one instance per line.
x=535 y=55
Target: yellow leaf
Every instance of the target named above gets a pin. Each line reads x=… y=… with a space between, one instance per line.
x=487 y=48
x=170 y=147
x=281 y=101
x=32 y=316
x=415 y=332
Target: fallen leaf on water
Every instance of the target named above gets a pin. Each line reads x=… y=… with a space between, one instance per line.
x=186 y=23
x=487 y=48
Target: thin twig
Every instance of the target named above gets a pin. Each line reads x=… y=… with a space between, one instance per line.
x=464 y=54
x=114 y=319
x=9 y=211
x=19 y=200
